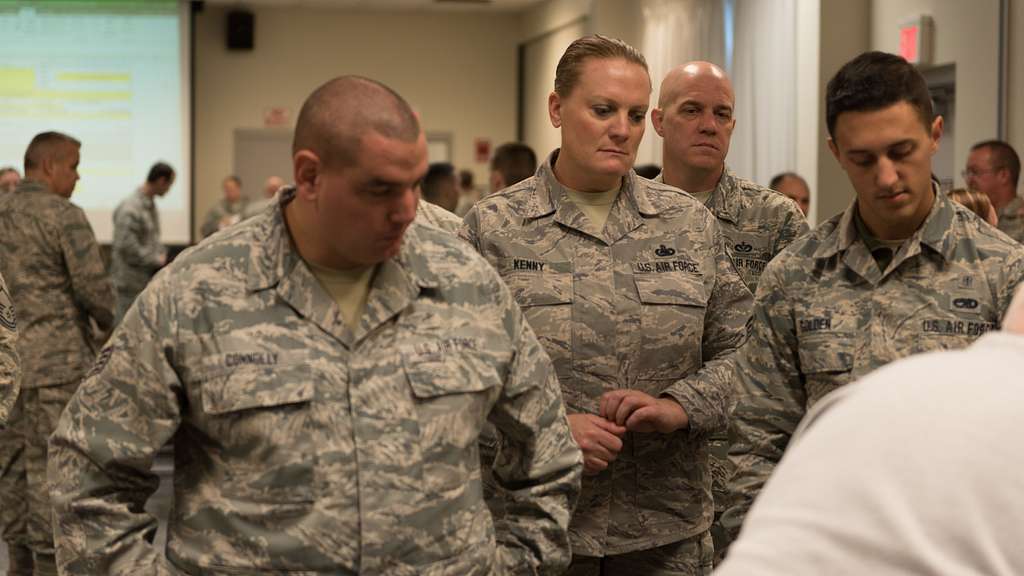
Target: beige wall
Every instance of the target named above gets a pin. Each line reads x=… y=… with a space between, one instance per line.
x=457 y=69
x=844 y=33
x=966 y=34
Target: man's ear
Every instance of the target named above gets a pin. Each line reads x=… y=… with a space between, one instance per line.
x=835 y=149
x=657 y=116
x=307 y=167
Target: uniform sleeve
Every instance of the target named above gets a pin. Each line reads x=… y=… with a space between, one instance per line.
x=707 y=395
x=89 y=279
x=10 y=373
x=539 y=465
x=102 y=451
x=470 y=230
x=771 y=398
x=129 y=232
x=794 y=225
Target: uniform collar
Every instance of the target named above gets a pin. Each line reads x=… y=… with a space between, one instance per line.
x=937 y=231
x=276 y=264
x=724 y=201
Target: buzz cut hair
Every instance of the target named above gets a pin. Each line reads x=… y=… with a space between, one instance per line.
x=48 y=146
x=338 y=114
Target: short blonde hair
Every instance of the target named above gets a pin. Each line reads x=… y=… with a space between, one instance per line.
x=567 y=73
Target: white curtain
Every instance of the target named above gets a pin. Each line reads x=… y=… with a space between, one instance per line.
x=764 y=79
x=674 y=32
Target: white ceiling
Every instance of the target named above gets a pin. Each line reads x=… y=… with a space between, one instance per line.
x=491 y=5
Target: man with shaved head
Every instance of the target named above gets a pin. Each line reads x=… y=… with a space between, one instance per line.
x=695 y=119
x=325 y=368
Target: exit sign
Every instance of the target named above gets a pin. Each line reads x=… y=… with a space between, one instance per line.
x=916 y=40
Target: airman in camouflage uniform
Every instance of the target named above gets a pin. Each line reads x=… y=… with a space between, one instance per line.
x=903 y=270
x=695 y=119
x=305 y=443
x=137 y=252
x=229 y=210
x=10 y=369
x=57 y=277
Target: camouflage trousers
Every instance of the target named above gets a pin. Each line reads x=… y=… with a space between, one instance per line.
x=13 y=485
x=42 y=408
x=690 y=557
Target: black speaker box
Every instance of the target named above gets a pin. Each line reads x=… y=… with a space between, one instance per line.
x=241 y=30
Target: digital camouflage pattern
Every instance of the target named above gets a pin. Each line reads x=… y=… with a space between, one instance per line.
x=436 y=216
x=651 y=302
x=10 y=371
x=1011 y=219
x=302 y=446
x=56 y=276
x=826 y=315
x=757 y=223
x=137 y=252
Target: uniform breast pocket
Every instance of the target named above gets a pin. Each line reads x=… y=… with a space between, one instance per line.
x=826 y=362
x=257 y=421
x=452 y=397
x=546 y=300
x=671 y=324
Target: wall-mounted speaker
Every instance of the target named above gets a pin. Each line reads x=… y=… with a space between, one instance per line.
x=241 y=29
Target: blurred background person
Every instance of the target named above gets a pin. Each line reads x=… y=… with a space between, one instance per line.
x=993 y=167
x=9 y=178
x=270 y=188
x=512 y=163
x=439 y=186
x=468 y=194
x=137 y=252
x=229 y=210
x=794 y=187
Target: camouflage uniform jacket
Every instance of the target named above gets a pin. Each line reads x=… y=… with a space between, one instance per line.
x=826 y=315
x=436 y=216
x=56 y=276
x=1011 y=219
x=757 y=223
x=10 y=372
x=651 y=303
x=305 y=447
x=137 y=252
x=221 y=210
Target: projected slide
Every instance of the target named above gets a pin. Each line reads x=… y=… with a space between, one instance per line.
x=111 y=74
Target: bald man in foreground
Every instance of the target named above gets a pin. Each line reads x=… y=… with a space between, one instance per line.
x=695 y=118
x=325 y=368
x=913 y=470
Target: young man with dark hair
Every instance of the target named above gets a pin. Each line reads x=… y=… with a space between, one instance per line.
x=903 y=270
